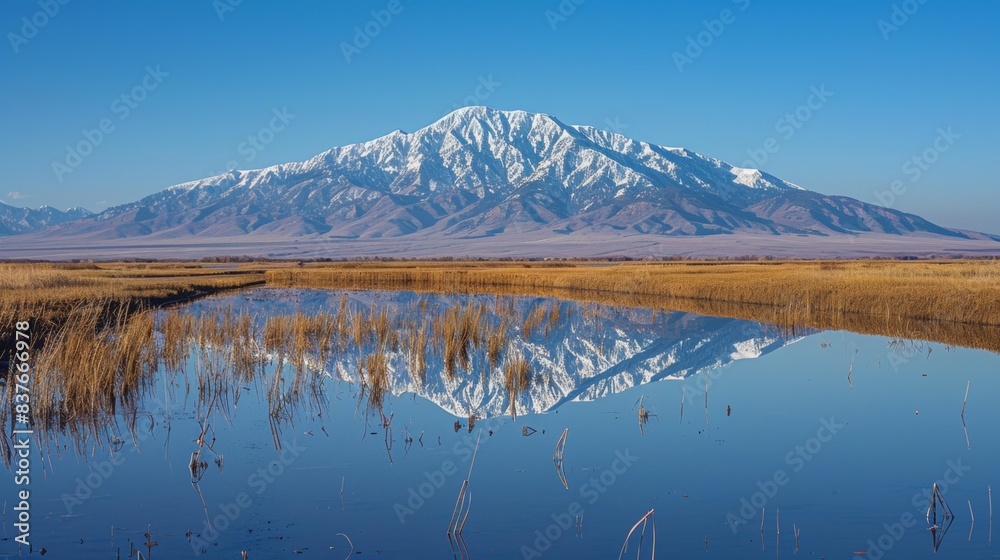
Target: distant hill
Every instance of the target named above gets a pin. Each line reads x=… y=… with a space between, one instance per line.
x=15 y=220
x=482 y=173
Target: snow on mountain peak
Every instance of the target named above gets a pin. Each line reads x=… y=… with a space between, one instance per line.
x=756 y=179
x=479 y=172
x=484 y=149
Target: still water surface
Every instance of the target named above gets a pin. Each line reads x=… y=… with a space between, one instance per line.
x=847 y=463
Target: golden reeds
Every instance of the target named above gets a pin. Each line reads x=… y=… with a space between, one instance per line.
x=177 y=330
x=246 y=358
x=532 y=320
x=91 y=366
x=376 y=378
x=516 y=378
x=496 y=343
x=947 y=301
x=460 y=329
x=47 y=292
x=417 y=354
x=101 y=344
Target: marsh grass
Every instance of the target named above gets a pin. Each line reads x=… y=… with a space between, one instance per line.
x=532 y=320
x=459 y=330
x=246 y=357
x=177 y=330
x=47 y=293
x=305 y=342
x=233 y=348
x=495 y=344
x=103 y=341
x=954 y=302
x=943 y=301
x=376 y=379
x=94 y=366
x=516 y=378
x=417 y=353
x=106 y=302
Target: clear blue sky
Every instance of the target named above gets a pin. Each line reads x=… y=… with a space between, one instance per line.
x=605 y=64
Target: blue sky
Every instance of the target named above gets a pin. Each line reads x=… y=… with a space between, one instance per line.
x=200 y=77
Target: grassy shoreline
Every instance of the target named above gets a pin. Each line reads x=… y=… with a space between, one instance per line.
x=48 y=294
x=97 y=335
x=954 y=302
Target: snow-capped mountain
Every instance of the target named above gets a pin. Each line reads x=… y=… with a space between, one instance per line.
x=483 y=172
x=593 y=350
x=15 y=220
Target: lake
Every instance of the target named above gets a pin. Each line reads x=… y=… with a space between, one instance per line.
x=746 y=440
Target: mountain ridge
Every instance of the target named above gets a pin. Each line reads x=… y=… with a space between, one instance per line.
x=15 y=220
x=480 y=172
x=592 y=352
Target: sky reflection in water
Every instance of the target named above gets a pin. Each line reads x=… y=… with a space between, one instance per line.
x=845 y=461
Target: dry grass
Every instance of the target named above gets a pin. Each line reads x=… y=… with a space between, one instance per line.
x=48 y=291
x=92 y=366
x=102 y=347
x=922 y=299
x=245 y=355
x=48 y=294
x=460 y=329
x=376 y=378
x=177 y=330
x=516 y=378
x=417 y=353
x=496 y=343
x=531 y=321
x=954 y=302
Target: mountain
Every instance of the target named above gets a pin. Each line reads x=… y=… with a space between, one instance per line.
x=15 y=220
x=591 y=352
x=513 y=177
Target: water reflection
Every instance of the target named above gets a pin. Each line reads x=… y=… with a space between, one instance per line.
x=575 y=352
x=317 y=424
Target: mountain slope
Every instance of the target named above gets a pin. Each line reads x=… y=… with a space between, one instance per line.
x=481 y=172
x=15 y=220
